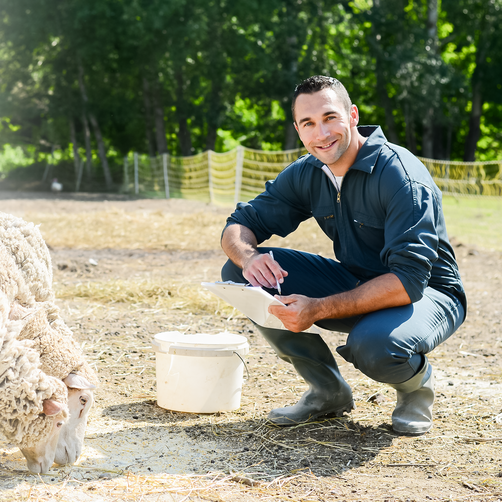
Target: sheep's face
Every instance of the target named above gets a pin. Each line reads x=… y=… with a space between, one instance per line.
x=71 y=439
x=40 y=456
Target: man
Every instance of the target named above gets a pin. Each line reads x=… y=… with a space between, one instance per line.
x=395 y=287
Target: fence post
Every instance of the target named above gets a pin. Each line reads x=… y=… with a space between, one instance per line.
x=79 y=174
x=126 y=174
x=46 y=170
x=48 y=166
x=210 y=178
x=136 y=180
x=238 y=173
x=166 y=178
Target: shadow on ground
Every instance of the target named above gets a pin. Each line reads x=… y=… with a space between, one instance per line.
x=325 y=447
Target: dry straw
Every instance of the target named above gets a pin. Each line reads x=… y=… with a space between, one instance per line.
x=119 y=229
x=146 y=293
x=213 y=486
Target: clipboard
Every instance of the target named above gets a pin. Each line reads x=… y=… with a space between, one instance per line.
x=252 y=301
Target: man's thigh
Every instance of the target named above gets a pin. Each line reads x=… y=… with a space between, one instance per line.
x=386 y=344
x=417 y=328
x=310 y=274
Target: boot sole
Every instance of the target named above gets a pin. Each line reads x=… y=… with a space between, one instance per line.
x=416 y=432
x=286 y=421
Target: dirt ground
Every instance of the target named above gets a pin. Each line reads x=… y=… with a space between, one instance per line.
x=137 y=451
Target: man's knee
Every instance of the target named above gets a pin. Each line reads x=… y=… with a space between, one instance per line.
x=231 y=272
x=380 y=356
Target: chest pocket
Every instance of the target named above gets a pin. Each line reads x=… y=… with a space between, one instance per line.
x=370 y=229
x=326 y=220
x=368 y=220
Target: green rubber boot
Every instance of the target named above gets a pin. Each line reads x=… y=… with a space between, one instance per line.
x=328 y=392
x=415 y=397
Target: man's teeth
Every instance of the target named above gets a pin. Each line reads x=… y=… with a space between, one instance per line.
x=326 y=146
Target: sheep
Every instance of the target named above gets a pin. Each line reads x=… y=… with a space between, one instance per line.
x=26 y=278
x=62 y=358
x=33 y=405
x=56 y=186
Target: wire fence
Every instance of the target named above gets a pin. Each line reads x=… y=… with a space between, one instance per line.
x=466 y=178
x=226 y=178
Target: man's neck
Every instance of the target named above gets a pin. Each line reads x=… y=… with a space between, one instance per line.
x=343 y=164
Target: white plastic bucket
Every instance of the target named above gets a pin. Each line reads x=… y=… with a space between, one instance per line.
x=199 y=373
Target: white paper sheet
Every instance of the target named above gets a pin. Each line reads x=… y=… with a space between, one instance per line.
x=252 y=301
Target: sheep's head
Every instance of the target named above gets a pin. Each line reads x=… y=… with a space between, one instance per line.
x=39 y=447
x=80 y=401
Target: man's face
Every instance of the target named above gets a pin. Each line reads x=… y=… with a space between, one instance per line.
x=324 y=125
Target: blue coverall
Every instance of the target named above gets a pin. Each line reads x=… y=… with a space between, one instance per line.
x=387 y=217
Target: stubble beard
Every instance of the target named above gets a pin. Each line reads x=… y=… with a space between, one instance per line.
x=342 y=147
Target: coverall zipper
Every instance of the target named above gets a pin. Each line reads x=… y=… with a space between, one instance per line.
x=337 y=208
x=332 y=178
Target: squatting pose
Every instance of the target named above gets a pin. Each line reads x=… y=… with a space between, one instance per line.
x=394 y=286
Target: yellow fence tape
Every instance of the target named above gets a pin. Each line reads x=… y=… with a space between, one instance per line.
x=224 y=178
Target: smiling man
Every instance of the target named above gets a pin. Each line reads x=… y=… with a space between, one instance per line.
x=394 y=286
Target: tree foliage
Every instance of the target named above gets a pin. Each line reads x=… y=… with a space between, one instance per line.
x=103 y=77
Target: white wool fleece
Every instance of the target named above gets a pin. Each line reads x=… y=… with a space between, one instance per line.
x=12 y=283
x=60 y=355
x=26 y=279
x=23 y=388
x=26 y=245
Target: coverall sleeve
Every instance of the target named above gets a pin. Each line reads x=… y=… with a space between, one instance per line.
x=277 y=211
x=411 y=237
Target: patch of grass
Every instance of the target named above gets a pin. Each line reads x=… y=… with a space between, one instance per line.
x=189 y=297
x=474 y=221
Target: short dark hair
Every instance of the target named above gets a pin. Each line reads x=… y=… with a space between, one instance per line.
x=318 y=83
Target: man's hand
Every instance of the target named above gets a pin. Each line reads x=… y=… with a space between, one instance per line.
x=300 y=311
x=263 y=270
x=239 y=244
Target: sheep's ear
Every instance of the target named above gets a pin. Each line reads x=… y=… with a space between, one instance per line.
x=78 y=382
x=52 y=407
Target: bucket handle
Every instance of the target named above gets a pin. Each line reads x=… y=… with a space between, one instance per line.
x=243 y=362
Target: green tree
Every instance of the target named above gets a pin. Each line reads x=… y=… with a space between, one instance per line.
x=476 y=42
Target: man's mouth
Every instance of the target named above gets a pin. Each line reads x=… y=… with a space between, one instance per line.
x=325 y=147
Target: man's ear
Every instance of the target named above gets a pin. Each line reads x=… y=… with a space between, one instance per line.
x=296 y=127
x=354 y=116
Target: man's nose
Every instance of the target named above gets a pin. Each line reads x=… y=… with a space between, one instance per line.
x=322 y=131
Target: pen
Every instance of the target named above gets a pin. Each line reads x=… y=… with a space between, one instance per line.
x=278 y=285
